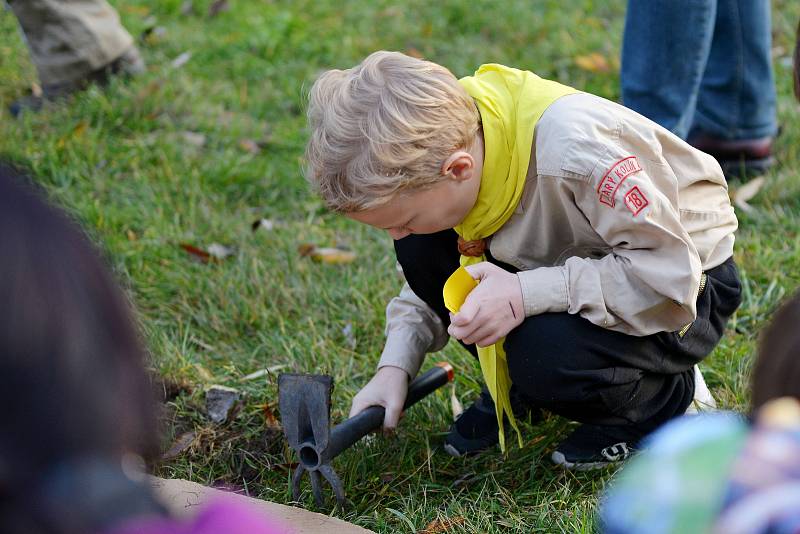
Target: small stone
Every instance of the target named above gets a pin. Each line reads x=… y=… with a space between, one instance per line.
x=220 y=400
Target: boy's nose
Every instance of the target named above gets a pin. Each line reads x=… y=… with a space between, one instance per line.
x=398 y=233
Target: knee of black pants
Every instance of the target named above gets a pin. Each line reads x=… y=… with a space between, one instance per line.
x=584 y=372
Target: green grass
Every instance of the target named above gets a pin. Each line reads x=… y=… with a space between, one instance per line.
x=119 y=161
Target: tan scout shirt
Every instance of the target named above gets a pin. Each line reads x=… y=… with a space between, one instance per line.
x=617 y=221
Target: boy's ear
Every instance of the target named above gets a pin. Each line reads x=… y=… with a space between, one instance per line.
x=459 y=166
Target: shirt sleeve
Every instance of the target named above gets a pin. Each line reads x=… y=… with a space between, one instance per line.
x=649 y=281
x=412 y=330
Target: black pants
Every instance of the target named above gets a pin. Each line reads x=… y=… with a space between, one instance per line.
x=572 y=367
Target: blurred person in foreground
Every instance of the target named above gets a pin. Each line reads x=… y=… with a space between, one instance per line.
x=73 y=43
x=78 y=410
x=720 y=472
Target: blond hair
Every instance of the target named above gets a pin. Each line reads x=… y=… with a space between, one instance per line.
x=384 y=127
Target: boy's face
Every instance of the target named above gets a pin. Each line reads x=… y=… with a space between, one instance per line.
x=441 y=207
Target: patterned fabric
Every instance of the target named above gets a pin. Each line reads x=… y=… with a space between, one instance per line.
x=713 y=473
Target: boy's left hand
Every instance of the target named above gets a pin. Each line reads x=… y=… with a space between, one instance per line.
x=491 y=310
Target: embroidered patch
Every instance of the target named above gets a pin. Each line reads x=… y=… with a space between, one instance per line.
x=617 y=174
x=636 y=201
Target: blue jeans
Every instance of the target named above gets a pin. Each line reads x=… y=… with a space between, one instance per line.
x=701 y=65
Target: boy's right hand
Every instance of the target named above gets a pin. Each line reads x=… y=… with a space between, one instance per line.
x=388 y=388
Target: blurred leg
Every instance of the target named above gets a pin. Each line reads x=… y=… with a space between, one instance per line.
x=664 y=54
x=70 y=39
x=737 y=94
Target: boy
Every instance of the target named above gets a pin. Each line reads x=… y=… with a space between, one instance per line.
x=608 y=242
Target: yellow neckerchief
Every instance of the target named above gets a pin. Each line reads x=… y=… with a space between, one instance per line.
x=510 y=102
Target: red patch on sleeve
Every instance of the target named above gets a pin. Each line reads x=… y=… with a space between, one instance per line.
x=614 y=177
x=635 y=200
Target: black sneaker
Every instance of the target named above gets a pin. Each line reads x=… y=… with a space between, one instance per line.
x=595 y=446
x=475 y=430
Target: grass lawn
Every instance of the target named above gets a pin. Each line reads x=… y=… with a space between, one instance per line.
x=196 y=153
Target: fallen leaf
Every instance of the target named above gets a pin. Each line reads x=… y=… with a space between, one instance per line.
x=36 y=90
x=183 y=442
x=220 y=251
x=266 y=224
x=197 y=253
x=217 y=6
x=194 y=138
x=181 y=60
x=331 y=255
x=594 y=62
x=438 y=526
x=248 y=145
x=747 y=192
x=131 y=235
x=413 y=52
x=269 y=416
x=305 y=249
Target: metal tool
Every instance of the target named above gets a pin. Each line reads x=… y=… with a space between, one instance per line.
x=305 y=405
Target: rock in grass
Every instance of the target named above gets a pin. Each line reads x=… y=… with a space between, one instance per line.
x=220 y=400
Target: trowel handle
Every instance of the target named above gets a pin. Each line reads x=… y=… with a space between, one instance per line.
x=353 y=429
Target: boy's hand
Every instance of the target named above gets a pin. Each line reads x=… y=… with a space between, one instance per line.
x=491 y=310
x=388 y=388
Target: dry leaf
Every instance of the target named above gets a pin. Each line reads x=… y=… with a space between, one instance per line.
x=217 y=6
x=220 y=251
x=248 y=145
x=332 y=255
x=747 y=192
x=413 y=52
x=269 y=416
x=266 y=224
x=305 y=249
x=594 y=62
x=36 y=90
x=438 y=526
x=183 y=442
x=181 y=60
x=197 y=253
x=131 y=235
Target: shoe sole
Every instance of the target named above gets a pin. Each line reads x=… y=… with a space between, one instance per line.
x=452 y=451
x=559 y=459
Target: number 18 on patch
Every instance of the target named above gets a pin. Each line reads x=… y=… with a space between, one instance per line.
x=636 y=201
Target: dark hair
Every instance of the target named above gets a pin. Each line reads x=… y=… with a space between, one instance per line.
x=777 y=370
x=72 y=379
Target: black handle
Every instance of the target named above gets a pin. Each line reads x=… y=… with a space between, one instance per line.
x=348 y=432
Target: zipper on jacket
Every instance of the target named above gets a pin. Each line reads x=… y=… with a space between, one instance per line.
x=703 y=281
